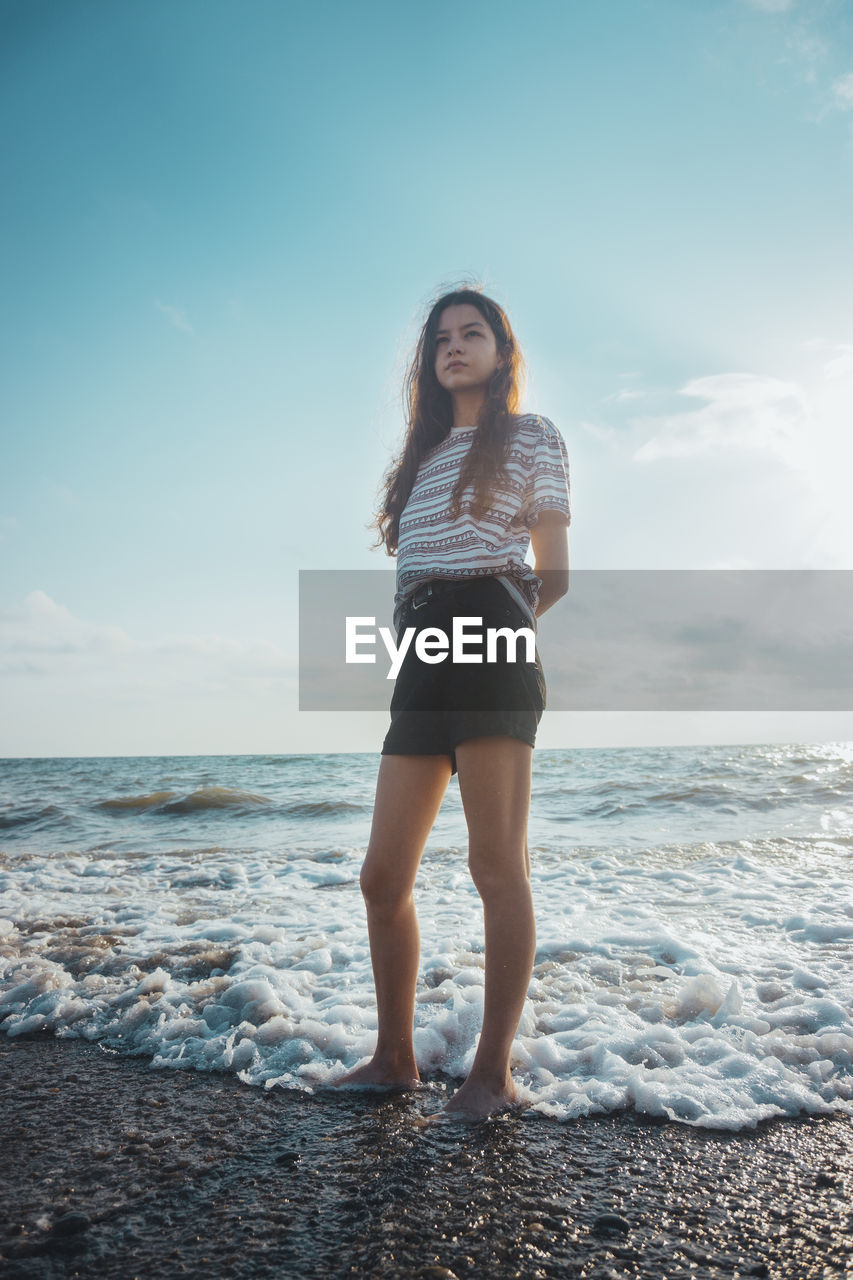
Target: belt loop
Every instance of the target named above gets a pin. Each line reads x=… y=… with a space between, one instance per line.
x=415 y=604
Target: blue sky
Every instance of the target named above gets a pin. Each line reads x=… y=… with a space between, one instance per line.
x=221 y=223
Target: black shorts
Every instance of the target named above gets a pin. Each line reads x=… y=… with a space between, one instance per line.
x=435 y=706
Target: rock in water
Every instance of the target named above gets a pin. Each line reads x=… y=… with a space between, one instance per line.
x=611 y=1222
x=70 y=1224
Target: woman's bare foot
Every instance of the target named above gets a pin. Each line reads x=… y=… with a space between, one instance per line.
x=379 y=1075
x=475 y=1100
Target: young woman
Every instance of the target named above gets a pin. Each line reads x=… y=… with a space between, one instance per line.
x=475 y=482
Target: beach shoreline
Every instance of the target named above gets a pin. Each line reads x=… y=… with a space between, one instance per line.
x=114 y=1168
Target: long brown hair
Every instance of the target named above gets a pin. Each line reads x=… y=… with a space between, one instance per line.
x=429 y=412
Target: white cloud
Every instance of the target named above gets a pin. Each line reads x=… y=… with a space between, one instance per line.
x=842 y=92
x=807 y=50
x=841 y=365
x=837 y=357
x=803 y=429
x=809 y=41
x=40 y=633
x=618 y=396
x=41 y=637
x=745 y=412
x=69 y=686
x=176 y=316
x=607 y=435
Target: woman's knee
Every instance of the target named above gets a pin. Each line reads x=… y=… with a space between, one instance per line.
x=383 y=891
x=499 y=873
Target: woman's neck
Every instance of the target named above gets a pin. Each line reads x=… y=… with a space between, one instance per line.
x=466 y=408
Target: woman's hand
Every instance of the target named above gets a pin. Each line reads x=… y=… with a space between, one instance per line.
x=549 y=538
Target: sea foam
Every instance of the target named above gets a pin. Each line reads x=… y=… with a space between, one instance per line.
x=705 y=980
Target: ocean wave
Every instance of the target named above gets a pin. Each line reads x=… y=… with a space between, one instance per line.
x=323 y=808
x=31 y=817
x=205 y=799
x=198 y=801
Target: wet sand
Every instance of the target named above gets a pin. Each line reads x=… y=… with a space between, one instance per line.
x=114 y=1169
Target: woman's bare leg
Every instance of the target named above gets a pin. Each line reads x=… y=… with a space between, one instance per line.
x=409 y=791
x=494 y=780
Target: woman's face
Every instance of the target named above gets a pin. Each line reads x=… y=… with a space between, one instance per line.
x=466 y=351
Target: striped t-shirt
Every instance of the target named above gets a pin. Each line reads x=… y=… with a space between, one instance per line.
x=430 y=545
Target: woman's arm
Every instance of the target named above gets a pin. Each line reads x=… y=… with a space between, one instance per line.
x=549 y=538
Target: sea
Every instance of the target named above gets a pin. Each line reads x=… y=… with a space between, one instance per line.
x=694 y=924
